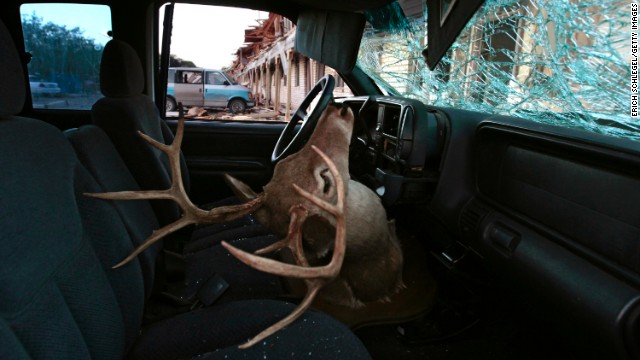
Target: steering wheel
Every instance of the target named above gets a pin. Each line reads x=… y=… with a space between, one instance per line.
x=290 y=141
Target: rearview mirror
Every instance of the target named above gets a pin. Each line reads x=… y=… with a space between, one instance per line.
x=446 y=19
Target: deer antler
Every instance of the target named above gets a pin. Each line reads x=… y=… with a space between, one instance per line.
x=315 y=277
x=191 y=213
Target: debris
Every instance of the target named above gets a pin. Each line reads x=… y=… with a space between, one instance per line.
x=196 y=112
x=255 y=114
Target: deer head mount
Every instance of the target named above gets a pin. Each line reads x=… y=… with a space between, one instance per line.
x=336 y=228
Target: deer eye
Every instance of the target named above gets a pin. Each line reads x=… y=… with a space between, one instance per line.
x=324 y=174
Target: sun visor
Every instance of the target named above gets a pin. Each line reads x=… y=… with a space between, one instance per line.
x=446 y=19
x=330 y=37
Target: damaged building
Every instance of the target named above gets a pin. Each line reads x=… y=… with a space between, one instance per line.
x=278 y=76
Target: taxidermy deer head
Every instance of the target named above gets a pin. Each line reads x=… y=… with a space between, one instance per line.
x=336 y=228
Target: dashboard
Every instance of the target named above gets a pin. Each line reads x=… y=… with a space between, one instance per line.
x=397 y=147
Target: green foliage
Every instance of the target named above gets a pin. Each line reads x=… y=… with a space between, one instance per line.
x=62 y=55
x=175 y=61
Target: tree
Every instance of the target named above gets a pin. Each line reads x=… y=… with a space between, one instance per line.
x=175 y=61
x=60 y=54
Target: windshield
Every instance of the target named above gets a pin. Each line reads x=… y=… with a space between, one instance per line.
x=560 y=62
x=231 y=79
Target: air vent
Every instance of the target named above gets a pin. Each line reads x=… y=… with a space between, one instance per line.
x=471 y=217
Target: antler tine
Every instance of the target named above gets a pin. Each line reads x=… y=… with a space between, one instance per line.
x=338 y=208
x=298 y=215
x=328 y=271
x=312 y=291
x=315 y=277
x=176 y=192
x=133 y=195
x=177 y=138
x=216 y=215
x=155 y=236
x=221 y=214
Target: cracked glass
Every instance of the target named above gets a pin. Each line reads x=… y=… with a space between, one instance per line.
x=559 y=62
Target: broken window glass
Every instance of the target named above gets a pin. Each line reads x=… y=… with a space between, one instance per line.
x=559 y=62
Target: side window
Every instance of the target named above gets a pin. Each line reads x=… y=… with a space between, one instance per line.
x=261 y=79
x=188 y=77
x=65 y=43
x=215 y=78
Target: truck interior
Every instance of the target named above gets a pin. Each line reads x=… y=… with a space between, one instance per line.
x=499 y=135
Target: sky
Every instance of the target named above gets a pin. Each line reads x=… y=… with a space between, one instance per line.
x=209 y=36
x=206 y=35
x=95 y=20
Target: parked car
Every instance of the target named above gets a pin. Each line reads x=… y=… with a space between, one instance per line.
x=39 y=87
x=206 y=88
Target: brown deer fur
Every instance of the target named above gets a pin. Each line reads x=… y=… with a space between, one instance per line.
x=372 y=268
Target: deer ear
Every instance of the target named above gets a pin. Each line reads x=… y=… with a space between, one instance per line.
x=242 y=190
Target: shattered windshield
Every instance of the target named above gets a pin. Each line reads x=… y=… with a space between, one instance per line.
x=560 y=62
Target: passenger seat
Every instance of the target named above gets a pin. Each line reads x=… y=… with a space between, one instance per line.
x=121 y=113
x=208 y=269
x=100 y=159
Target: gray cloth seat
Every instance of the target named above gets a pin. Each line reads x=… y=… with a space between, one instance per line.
x=121 y=113
x=59 y=296
x=99 y=156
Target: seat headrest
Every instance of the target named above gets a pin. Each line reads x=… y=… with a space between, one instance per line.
x=12 y=83
x=120 y=70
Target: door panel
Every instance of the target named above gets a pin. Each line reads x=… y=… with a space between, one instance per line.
x=215 y=94
x=242 y=149
x=188 y=87
x=552 y=215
